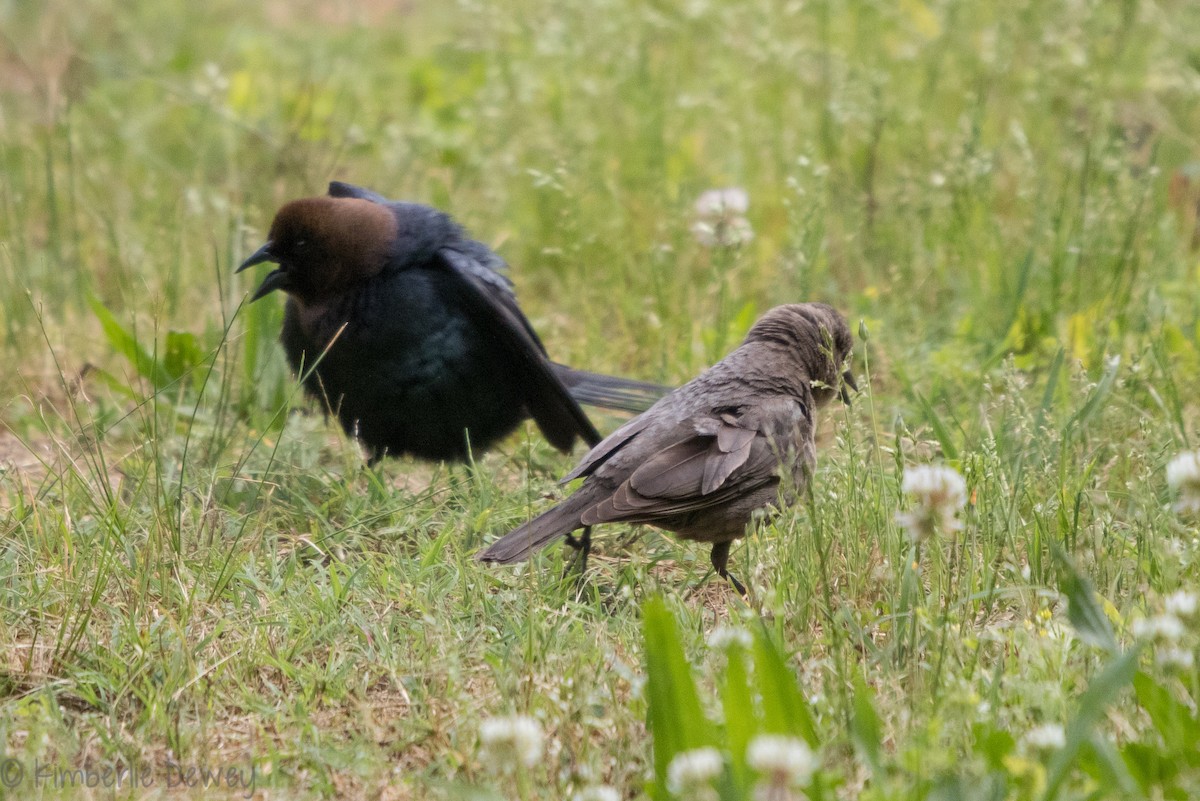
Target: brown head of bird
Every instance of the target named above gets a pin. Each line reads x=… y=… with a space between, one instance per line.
x=818 y=336
x=324 y=246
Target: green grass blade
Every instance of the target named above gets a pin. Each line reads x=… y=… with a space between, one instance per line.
x=1083 y=610
x=1100 y=694
x=785 y=709
x=676 y=719
x=866 y=730
x=737 y=704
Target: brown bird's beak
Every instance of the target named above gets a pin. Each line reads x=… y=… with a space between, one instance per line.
x=276 y=279
x=848 y=381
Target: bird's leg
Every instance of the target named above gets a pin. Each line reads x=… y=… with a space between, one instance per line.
x=375 y=455
x=582 y=546
x=720 y=557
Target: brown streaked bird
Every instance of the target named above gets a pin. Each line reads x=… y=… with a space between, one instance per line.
x=706 y=457
x=408 y=330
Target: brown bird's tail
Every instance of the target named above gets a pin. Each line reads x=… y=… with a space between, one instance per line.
x=520 y=543
x=609 y=391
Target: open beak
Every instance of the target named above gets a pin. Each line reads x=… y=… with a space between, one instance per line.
x=259 y=256
x=276 y=279
x=848 y=381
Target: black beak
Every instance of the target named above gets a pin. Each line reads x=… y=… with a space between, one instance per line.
x=848 y=381
x=258 y=257
x=276 y=279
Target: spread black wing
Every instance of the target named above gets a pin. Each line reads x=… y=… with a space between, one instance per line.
x=549 y=403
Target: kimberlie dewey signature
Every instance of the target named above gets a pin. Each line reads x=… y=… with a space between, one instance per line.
x=169 y=774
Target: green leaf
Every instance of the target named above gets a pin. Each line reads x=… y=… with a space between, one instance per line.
x=125 y=343
x=960 y=788
x=1176 y=723
x=939 y=428
x=866 y=731
x=994 y=744
x=1083 y=610
x=737 y=704
x=1052 y=376
x=1099 y=759
x=183 y=354
x=785 y=709
x=435 y=552
x=676 y=719
x=1095 y=402
x=1100 y=693
x=1149 y=766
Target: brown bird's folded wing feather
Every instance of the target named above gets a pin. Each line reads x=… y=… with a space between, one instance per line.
x=675 y=471
x=733 y=450
x=557 y=414
x=723 y=457
x=610 y=445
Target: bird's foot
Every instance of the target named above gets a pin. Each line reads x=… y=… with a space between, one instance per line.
x=583 y=547
x=720 y=558
x=737 y=585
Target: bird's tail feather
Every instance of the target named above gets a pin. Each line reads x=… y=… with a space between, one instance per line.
x=608 y=391
x=520 y=543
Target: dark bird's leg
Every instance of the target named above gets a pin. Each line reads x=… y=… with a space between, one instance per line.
x=582 y=546
x=720 y=557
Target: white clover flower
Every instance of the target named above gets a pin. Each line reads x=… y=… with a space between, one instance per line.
x=722 y=202
x=1160 y=627
x=600 y=792
x=720 y=218
x=692 y=772
x=511 y=740
x=1047 y=737
x=725 y=636
x=1172 y=657
x=939 y=493
x=783 y=761
x=1181 y=604
x=1183 y=476
x=211 y=82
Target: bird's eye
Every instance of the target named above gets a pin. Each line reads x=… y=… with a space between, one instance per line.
x=301 y=244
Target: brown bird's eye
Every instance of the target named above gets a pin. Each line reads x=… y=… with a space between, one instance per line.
x=301 y=244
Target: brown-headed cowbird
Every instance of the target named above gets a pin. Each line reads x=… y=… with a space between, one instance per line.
x=409 y=331
x=707 y=456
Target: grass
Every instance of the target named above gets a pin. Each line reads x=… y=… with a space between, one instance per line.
x=196 y=570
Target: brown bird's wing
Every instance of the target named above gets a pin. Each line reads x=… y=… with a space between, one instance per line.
x=602 y=452
x=722 y=458
x=550 y=404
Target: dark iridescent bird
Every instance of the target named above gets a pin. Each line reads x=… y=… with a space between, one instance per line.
x=706 y=457
x=408 y=330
